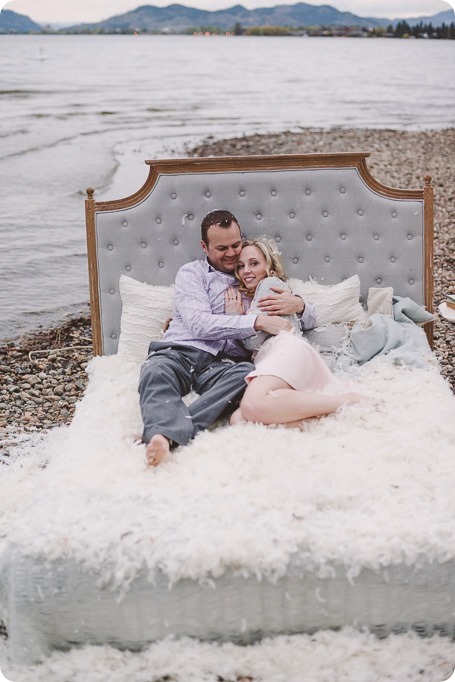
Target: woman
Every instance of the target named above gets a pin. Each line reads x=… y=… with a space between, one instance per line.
x=289 y=372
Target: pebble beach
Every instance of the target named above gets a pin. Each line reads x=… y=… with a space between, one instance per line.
x=44 y=372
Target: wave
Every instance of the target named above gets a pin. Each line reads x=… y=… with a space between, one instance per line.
x=27 y=93
x=72 y=138
x=15 y=326
x=21 y=131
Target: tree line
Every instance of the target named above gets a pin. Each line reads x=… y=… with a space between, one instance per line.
x=401 y=30
x=421 y=30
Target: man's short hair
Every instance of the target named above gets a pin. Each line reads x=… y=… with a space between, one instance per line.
x=217 y=217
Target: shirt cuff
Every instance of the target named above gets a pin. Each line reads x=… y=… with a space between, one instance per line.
x=308 y=317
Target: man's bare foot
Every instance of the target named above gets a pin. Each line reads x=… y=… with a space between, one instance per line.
x=157 y=450
x=237 y=418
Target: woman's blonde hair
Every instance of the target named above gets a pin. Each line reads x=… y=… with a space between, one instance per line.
x=274 y=266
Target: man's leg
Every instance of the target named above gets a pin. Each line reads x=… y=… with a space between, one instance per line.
x=165 y=377
x=221 y=385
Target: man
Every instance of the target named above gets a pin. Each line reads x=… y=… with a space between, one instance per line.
x=202 y=349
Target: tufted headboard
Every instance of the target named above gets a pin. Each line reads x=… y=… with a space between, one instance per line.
x=329 y=216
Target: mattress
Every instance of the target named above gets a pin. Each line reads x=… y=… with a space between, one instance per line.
x=58 y=605
x=248 y=531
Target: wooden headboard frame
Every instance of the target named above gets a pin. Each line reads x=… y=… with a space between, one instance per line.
x=320 y=194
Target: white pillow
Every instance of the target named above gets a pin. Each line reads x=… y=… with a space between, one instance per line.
x=333 y=302
x=145 y=310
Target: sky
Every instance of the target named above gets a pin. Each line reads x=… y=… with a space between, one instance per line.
x=69 y=11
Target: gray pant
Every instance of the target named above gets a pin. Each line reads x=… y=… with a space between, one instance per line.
x=173 y=370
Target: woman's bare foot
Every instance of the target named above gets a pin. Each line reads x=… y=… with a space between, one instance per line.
x=237 y=417
x=157 y=450
x=353 y=398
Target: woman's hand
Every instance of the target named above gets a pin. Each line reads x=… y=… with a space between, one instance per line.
x=233 y=302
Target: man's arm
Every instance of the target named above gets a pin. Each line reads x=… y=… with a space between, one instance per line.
x=272 y=325
x=283 y=302
x=192 y=302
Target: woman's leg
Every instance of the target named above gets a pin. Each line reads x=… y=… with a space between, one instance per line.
x=271 y=400
x=237 y=417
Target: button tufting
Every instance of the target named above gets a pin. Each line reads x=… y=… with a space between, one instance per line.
x=308 y=192
x=113 y=336
x=309 y=237
x=112 y=291
x=173 y=195
x=393 y=259
x=277 y=238
x=190 y=216
x=128 y=268
x=295 y=260
x=376 y=236
x=327 y=259
x=409 y=236
x=394 y=214
x=292 y=215
x=379 y=280
x=343 y=236
x=411 y=281
x=208 y=195
x=110 y=247
x=176 y=242
x=325 y=213
x=343 y=190
x=273 y=192
x=161 y=264
x=258 y=216
x=360 y=259
x=242 y=193
x=360 y=212
x=125 y=223
x=144 y=245
x=158 y=221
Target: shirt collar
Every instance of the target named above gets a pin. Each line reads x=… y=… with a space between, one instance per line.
x=211 y=270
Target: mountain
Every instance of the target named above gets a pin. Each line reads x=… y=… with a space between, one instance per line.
x=446 y=17
x=178 y=18
x=11 y=22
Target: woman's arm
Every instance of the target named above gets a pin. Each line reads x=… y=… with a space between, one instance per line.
x=279 y=300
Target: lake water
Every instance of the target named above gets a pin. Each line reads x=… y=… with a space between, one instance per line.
x=88 y=110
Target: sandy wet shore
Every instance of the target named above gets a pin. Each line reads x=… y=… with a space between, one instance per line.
x=45 y=372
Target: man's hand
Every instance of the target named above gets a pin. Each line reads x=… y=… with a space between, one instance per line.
x=283 y=303
x=271 y=325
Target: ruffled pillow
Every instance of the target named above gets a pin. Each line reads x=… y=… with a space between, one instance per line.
x=145 y=310
x=333 y=303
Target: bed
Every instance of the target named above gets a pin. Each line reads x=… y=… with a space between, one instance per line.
x=250 y=530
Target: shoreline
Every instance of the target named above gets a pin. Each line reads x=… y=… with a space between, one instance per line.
x=45 y=370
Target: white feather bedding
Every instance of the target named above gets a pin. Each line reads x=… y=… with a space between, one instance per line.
x=366 y=487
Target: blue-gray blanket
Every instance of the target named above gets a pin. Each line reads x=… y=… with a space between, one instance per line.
x=400 y=337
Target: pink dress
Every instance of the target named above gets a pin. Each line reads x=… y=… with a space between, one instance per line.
x=291 y=358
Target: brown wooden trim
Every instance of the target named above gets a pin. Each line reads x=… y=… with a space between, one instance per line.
x=133 y=199
x=93 y=273
x=258 y=162
x=428 y=226
x=385 y=190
